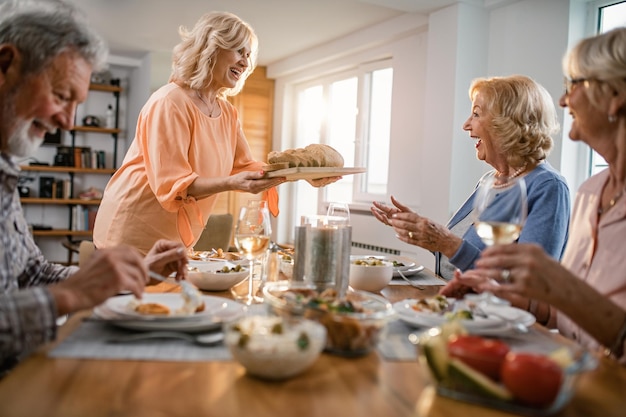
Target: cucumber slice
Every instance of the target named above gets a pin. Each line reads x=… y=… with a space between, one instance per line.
x=436 y=354
x=462 y=377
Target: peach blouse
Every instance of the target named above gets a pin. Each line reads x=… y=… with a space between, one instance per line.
x=595 y=251
x=175 y=143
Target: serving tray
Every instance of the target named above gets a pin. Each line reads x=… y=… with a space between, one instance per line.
x=312 y=173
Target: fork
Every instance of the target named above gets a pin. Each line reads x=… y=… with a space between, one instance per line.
x=190 y=292
x=411 y=283
x=518 y=327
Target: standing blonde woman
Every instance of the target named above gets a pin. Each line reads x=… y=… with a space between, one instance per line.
x=585 y=295
x=189 y=145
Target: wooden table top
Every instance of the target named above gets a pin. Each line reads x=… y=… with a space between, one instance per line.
x=334 y=386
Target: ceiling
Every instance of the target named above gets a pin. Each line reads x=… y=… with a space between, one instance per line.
x=284 y=27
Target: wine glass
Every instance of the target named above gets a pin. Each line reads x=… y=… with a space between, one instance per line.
x=252 y=238
x=500 y=209
x=341 y=210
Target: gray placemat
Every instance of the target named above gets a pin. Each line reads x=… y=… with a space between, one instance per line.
x=89 y=341
x=395 y=344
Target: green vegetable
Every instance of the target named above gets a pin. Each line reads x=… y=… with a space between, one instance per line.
x=462 y=377
x=436 y=354
x=303 y=341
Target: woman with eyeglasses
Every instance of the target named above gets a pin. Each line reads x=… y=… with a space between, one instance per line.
x=585 y=295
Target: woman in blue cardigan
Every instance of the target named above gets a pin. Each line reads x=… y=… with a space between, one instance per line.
x=511 y=121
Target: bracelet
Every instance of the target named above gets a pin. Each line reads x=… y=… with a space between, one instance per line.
x=617 y=348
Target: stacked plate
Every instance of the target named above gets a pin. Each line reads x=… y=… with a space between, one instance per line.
x=401 y=263
x=120 y=312
x=497 y=319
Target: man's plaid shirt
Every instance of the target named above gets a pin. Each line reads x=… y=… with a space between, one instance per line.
x=27 y=310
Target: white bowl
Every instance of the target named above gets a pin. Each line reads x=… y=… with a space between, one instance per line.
x=274 y=347
x=210 y=276
x=369 y=274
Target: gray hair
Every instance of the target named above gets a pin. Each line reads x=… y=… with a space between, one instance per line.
x=42 y=30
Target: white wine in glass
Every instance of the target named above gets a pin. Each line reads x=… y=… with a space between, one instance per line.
x=252 y=238
x=500 y=209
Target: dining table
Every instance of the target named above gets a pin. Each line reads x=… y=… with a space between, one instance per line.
x=334 y=386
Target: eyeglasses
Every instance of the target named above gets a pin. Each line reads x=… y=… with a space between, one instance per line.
x=571 y=82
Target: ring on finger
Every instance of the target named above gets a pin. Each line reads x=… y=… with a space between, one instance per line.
x=410 y=235
x=505 y=275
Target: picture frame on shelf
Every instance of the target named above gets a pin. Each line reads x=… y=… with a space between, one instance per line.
x=52 y=138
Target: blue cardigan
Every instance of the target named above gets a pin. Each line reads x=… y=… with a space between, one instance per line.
x=547 y=222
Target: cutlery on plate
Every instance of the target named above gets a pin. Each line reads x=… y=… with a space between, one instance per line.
x=208 y=339
x=517 y=326
x=190 y=292
x=411 y=283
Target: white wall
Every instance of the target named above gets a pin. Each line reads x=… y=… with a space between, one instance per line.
x=433 y=166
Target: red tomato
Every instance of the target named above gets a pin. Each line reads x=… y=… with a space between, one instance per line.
x=484 y=355
x=532 y=378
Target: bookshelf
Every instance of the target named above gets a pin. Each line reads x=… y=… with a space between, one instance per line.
x=79 y=160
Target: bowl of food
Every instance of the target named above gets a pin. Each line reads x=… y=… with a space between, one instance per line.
x=274 y=347
x=216 y=276
x=517 y=378
x=354 y=324
x=370 y=274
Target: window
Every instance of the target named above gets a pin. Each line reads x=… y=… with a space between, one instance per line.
x=610 y=16
x=350 y=111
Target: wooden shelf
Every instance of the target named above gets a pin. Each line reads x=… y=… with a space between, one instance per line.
x=69 y=201
x=48 y=168
x=61 y=232
x=92 y=129
x=106 y=88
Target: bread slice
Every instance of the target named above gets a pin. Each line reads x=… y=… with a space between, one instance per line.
x=314 y=155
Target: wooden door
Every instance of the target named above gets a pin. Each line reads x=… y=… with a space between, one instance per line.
x=255 y=106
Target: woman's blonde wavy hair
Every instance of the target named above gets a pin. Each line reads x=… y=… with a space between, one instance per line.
x=599 y=58
x=523 y=116
x=193 y=59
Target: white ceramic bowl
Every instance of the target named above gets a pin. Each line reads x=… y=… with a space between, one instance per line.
x=369 y=274
x=209 y=276
x=274 y=347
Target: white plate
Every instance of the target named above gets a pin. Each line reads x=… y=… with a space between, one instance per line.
x=490 y=323
x=123 y=307
x=409 y=266
x=227 y=310
x=408 y=272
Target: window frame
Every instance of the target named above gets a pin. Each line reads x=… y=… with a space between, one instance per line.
x=363 y=74
x=595 y=162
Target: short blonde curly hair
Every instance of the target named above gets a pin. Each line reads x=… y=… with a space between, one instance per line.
x=193 y=59
x=523 y=116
